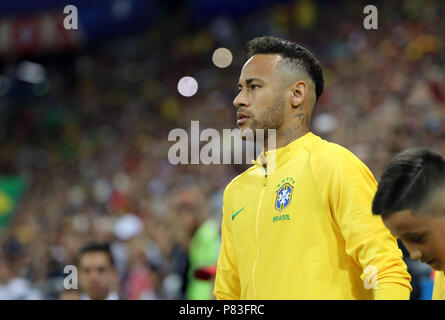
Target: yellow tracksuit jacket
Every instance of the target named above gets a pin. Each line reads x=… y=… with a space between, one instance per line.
x=305 y=230
x=439 y=286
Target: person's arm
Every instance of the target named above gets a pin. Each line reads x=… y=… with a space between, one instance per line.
x=368 y=241
x=227 y=284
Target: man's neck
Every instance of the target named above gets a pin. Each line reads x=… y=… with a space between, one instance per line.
x=284 y=138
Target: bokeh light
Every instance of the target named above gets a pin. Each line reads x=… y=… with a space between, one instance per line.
x=30 y=72
x=187 y=86
x=222 y=57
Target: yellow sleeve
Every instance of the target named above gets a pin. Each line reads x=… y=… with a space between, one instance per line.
x=371 y=245
x=227 y=284
x=439 y=286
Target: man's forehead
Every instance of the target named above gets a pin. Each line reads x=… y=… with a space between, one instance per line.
x=402 y=221
x=260 y=65
x=94 y=257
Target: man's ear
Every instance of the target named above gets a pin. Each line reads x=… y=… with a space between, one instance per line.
x=299 y=93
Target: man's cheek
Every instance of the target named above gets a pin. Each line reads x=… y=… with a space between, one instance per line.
x=441 y=251
x=441 y=244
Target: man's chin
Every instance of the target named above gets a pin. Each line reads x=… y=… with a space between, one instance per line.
x=247 y=133
x=98 y=294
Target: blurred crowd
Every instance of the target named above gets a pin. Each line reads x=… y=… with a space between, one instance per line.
x=91 y=138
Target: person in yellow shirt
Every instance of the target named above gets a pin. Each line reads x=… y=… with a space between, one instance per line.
x=411 y=200
x=298 y=224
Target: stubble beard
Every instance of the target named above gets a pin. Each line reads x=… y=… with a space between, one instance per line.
x=271 y=118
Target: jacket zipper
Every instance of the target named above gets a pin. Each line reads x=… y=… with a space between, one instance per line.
x=256 y=232
x=265 y=174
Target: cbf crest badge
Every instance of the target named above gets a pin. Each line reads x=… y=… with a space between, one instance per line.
x=284 y=194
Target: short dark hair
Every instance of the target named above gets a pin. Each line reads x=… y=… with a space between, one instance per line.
x=407 y=181
x=300 y=57
x=97 y=247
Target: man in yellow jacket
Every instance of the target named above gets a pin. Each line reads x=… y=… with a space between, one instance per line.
x=298 y=224
x=411 y=200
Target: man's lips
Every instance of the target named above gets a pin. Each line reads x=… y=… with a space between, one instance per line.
x=242 y=117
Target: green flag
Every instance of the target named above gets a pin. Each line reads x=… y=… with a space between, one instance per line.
x=11 y=190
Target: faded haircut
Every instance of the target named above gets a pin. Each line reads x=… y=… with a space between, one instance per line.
x=409 y=182
x=298 y=57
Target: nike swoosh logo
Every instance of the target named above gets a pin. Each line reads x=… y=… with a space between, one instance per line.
x=235 y=214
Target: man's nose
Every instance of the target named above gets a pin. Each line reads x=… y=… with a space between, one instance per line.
x=241 y=100
x=414 y=252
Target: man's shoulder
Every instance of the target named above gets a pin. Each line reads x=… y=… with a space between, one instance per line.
x=331 y=155
x=330 y=151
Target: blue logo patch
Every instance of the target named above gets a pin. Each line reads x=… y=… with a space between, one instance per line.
x=284 y=197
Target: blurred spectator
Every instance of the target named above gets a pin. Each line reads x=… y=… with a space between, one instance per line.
x=97 y=274
x=197 y=234
x=14 y=287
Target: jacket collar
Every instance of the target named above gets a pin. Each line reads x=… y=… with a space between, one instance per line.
x=273 y=159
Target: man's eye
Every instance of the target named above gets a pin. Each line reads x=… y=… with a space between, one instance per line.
x=418 y=239
x=254 y=86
